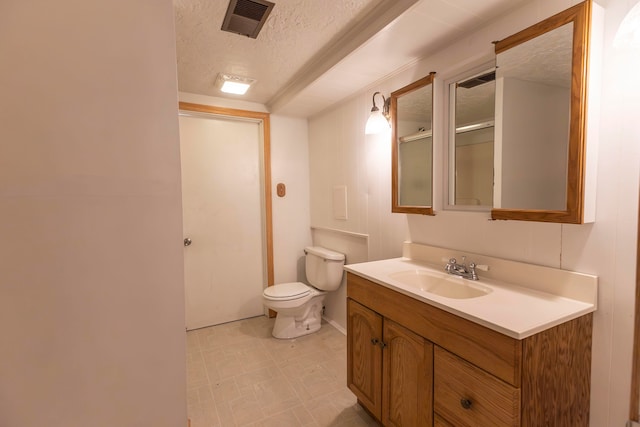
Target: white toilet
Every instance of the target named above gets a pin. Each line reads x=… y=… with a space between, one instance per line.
x=299 y=306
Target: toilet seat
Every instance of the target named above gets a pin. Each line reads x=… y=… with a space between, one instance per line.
x=286 y=291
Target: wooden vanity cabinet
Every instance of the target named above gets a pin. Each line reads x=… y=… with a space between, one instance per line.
x=389 y=369
x=412 y=364
x=364 y=356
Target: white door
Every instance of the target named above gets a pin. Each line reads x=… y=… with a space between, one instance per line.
x=222 y=208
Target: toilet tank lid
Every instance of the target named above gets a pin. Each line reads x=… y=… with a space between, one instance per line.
x=324 y=253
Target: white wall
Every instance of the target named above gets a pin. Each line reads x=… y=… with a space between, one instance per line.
x=290 y=166
x=340 y=153
x=91 y=276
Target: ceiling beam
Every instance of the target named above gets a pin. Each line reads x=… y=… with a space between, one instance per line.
x=374 y=20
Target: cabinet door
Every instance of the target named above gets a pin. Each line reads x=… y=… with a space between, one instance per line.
x=407 y=378
x=438 y=421
x=364 y=356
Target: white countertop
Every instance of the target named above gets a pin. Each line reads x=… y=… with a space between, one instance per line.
x=516 y=311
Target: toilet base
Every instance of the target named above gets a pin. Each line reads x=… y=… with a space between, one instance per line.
x=291 y=326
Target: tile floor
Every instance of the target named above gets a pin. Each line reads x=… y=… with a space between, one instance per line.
x=239 y=375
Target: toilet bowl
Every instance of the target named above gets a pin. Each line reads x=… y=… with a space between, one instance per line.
x=299 y=306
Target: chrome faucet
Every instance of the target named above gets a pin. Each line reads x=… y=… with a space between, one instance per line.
x=461 y=270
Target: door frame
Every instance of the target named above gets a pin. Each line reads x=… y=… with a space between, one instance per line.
x=264 y=120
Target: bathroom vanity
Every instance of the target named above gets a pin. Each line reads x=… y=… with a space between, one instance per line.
x=515 y=353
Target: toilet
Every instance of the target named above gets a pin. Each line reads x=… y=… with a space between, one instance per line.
x=299 y=306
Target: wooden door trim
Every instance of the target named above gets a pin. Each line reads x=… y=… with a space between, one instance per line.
x=264 y=118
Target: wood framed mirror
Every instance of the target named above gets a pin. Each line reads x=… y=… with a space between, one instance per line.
x=540 y=125
x=412 y=148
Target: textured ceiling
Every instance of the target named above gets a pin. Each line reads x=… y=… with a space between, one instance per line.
x=293 y=33
x=545 y=59
x=313 y=53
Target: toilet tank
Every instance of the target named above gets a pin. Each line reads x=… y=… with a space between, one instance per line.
x=323 y=267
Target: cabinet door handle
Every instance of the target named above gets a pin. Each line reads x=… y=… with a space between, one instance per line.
x=466 y=403
x=374 y=341
x=382 y=344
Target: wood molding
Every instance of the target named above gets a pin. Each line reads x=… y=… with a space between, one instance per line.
x=223 y=111
x=580 y=16
x=396 y=207
x=264 y=118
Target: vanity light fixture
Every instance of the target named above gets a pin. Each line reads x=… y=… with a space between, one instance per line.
x=236 y=85
x=378 y=120
x=628 y=34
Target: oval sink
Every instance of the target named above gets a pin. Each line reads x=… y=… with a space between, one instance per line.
x=440 y=284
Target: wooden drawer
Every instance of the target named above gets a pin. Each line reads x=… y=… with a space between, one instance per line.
x=467 y=396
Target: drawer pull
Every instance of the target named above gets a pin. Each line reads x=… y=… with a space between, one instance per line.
x=374 y=341
x=466 y=403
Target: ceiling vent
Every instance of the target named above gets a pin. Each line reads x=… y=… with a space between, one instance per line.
x=478 y=80
x=246 y=17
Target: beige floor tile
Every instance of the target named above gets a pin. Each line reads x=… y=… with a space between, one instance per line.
x=336 y=409
x=204 y=416
x=196 y=374
x=312 y=380
x=246 y=410
x=276 y=396
x=239 y=375
x=257 y=376
x=304 y=417
x=287 y=418
x=226 y=366
x=193 y=342
x=225 y=414
x=225 y=390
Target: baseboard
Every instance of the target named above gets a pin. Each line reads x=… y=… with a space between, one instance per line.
x=343 y=330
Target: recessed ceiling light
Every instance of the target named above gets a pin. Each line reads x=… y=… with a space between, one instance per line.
x=237 y=85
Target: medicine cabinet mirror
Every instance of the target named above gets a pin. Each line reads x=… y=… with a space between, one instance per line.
x=471 y=140
x=540 y=120
x=412 y=147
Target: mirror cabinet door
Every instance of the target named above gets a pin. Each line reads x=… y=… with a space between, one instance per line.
x=412 y=147
x=540 y=120
x=471 y=141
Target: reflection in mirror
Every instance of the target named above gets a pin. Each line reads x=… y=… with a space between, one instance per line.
x=541 y=107
x=471 y=140
x=534 y=139
x=412 y=154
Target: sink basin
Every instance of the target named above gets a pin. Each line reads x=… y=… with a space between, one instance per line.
x=440 y=284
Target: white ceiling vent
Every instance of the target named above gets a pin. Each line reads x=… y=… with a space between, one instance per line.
x=246 y=17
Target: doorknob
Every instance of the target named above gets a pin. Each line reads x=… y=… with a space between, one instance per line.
x=187 y=241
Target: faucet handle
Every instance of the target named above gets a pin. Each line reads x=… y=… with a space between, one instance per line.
x=450 y=264
x=483 y=267
x=473 y=267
